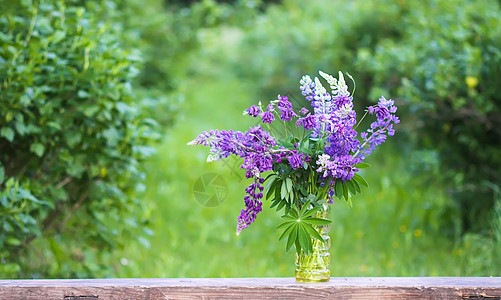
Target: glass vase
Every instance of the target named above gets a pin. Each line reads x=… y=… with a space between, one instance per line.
x=314 y=267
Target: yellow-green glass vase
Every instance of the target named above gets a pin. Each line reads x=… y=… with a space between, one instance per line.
x=314 y=267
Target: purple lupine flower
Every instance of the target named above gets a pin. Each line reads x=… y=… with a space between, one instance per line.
x=267 y=117
x=253 y=205
x=295 y=159
x=283 y=102
x=285 y=108
x=341 y=101
x=380 y=129
x=287 y=115
x=304 y=111
x=307 y=87
x=341 y=167
x=253 y=111
x=307 y=122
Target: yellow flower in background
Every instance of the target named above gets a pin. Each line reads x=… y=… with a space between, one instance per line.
x=417 y=232
x=103 y=172
x=471 y=81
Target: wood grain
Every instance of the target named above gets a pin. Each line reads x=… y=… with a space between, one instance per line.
x=254 y=288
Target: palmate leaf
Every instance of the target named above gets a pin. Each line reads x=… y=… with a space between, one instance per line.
x=299 y=227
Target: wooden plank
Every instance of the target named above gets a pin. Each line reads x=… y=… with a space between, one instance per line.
x=254 y=288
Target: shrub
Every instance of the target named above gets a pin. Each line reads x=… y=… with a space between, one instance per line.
x=446 y=67
x=71 y=139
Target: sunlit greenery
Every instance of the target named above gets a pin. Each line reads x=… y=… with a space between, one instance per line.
x=197 y=66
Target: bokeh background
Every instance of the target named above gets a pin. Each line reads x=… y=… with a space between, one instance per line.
x=99 y=98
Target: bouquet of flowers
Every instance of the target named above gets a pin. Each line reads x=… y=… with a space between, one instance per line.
x=313 y=162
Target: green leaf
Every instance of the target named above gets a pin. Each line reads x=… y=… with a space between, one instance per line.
x=345 y=192
x=304 y=192
x=284 y=225
x=273 y=189
x=338 y=188
x=289 y=217
x=283 y=191
x=2 y=174
x=304 y=209
x=361 y=180
x=292 y=237
x=311 y=212
x=269 y=184
x=287 y=208
x=270 y=179
x=357 y=186
x=83 y=94
x=362 y=165
x=294 y=213
x=306 y=144
x=313 y=232
x=304 y=239
x=277 y=193
x=286 y=232
x=7 y=133
x=57 y=36
x=298 y=247
x=112 y=136
x=317 y=221
x=289 y=185
x=37 y=148
x=351 y=187
x=281 y=205
x=275 y=202
x=13 y=241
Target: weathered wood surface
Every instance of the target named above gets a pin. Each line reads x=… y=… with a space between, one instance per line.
x=254 y=288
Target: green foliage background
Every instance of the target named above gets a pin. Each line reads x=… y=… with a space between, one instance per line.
x=88 y=87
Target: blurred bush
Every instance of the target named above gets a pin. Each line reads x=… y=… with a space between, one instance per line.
x=83 y=85
x=440 y=59
x=446 y=67
x=71 y=139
